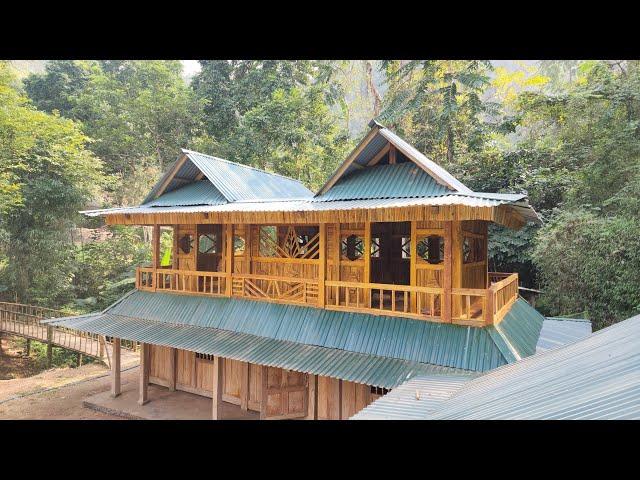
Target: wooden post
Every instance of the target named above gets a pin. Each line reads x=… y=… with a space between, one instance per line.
x=156 y=246
x=115 y=369
x=312 y=397
x=172 y=369
x=244 y=387
x=392 y=154
x=144 y=374
x=79 y=359
x=367 y=262
x=446 y=307
x=322 y=267
x=218 y=364
x=456 y=266
x=28 y=346
x=49 y=345
x=413 y=273
x=264 y=388
x=229 y=258
x=488 y=314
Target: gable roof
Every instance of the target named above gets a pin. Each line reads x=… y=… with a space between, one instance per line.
x=403 y=180
x=200 y=192
x=234 y=181
x=374 y=143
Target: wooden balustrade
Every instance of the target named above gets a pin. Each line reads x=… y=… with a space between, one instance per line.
x=470 y=306
x=277 y=289
x=501 y=296
x=384 y=299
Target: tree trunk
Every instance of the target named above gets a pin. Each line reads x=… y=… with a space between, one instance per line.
x=373 y=91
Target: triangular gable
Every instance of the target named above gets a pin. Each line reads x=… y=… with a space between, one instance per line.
x=234 y=181
x=375 y=145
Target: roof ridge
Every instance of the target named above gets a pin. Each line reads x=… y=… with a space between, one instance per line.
x=187 y=151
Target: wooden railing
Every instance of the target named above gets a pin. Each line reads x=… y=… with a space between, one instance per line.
x=469 y=306
x=501 y=295
x=185 y=281
x=277 y=289
x=400 y=300
x=26 y=321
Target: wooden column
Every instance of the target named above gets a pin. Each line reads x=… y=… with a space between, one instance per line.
x=366 y=277
x=28 y=346
x=244 y=386
x=49 y=345
x=456 y=266
x=312 y=397
x=218 y=364
x=392 y=154
x=446 y=304
x=413 y=274
x=172 y=369
x=144 y=374
x=322 y=264
x=228 y=266
x=156 y=246
x=115 y=369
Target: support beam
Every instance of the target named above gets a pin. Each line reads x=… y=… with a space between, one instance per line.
x=244 y=387
x=49 y=345
x=322 y=267
x=413 y=273
x=115 y=369
x=456 y=266
x=172 y=369
x=446 y=304
x=228 y=257
x=156 y=247
x=312 y=397
x=367 y=262
x=218 y=364
x=28 y=347
x=392 y=154
x=144 y=374
x=79 y=359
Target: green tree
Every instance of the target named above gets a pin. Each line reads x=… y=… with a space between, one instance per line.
x=52 y=176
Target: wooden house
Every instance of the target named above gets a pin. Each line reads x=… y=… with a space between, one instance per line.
x=297 y=304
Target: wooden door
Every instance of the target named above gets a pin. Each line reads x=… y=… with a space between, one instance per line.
x=284 y=394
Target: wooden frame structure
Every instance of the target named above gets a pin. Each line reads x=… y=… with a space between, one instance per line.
x=408 y=260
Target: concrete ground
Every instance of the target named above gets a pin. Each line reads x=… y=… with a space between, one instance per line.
x=163 y=405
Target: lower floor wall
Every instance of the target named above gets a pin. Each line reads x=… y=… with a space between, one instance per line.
x=274 y=392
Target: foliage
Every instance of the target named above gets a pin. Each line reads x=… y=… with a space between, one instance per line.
x=137 y=113
x=590 y=263
x=106 y=269
x=53 y=175
x=274 y=115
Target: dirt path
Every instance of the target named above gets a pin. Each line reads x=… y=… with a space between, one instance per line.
x=62 y=403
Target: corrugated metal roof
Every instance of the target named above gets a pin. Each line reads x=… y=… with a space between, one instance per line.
x=236 y=182
x=557 y=332
x=594 y=378
x=308 y=206
x=241 y=182
x=429 y=165
x=197 y=193
x=404 y=180
x=331 y=362
x=414 y=399
x=521 y=328
x=468 y=348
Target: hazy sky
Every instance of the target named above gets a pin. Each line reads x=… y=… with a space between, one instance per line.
x=190 y=67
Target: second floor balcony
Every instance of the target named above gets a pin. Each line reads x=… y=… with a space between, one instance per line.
x=464 y=306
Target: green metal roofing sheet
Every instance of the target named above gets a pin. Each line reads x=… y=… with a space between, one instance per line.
x=351 y=366
x=468 y=348
x=594 y=378
x=403 y=180
x=521 y=327
x=197 y=193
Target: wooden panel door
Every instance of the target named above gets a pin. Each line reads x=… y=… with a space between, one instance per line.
x=185 y=371
x=284 y=394
x=232 y=381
